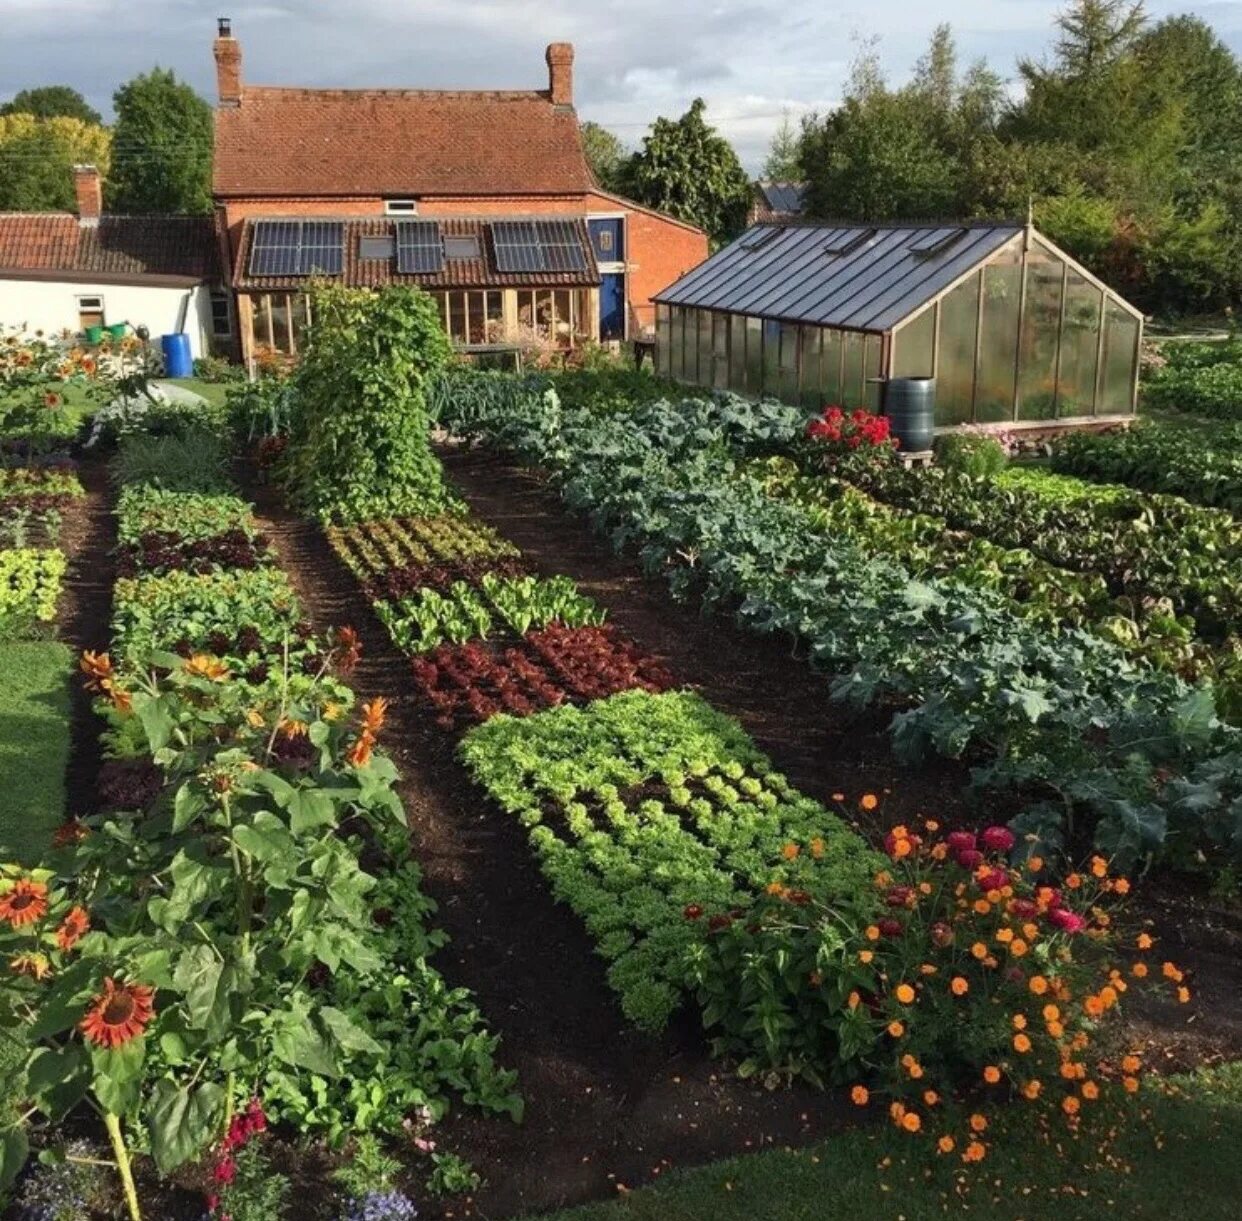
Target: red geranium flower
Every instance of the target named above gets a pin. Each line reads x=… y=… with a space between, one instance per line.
x=118 y=1014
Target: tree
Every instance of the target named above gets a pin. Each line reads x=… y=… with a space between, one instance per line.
x=161 y=147
x=37 y=158
x=783 y=163
x=686 y=168
x=606 y=156
x=51 y=102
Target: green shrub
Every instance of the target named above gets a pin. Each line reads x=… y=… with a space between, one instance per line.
x=216 y=369
x=360 y=445
x=196 y=461
x=971 y=454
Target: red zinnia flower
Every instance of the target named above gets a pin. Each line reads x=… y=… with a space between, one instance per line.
x=118 y=1014
x=1066 y=920
x=960 y=841
x=25 y=903
x=970 y=859
x=72 y=928
x=998 y=839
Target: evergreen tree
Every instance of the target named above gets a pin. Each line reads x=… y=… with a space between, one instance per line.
x=606 y=156
x=783 y=162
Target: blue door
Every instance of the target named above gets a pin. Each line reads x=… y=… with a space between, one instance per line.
x=612 y=306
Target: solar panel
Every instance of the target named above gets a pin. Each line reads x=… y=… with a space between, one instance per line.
x=933 y=241
x=420 y=248
x=538 y=246
x=296 y=248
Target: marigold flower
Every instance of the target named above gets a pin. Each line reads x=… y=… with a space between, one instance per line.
x=1019 y=1021
x=904 y=993
x=978 y=1123
x=1183 y=995
x=1090 y=1090
x=790 y=851
x=860 y=1096
x=1031 y=1090
x=865 y=956
x=959 y=986
x=1139 y=970
x=1070 y=1105
x=991 y=1074
x=1170 y=971
x=1131 y=1084
x=118 y=1014
x=1021 y=1043
x=24 y=902
x=1055 y=1029
x=911 y=1122
x=869 y=801
x=1037 y=984
x=1144 y=941
x=896 y=1029
x=36 y=965
x=204 y=665
x=73 y=928
x=945 y=1144
x=871 y=932
x=975 y=1152
x=930 y=1098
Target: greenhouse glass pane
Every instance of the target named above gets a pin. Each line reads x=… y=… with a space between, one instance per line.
x=737 y=353
x=1080 y=345
x=1002 y=287
x=871 y=367
x=1041 y=322
x=676 y=343
x=1120 y=338
x=789 y=363
x=808 y=394
x=913 y=344
x=852 y=370
x=955 y=372
x=720 y=351
x=664 y=336
x=830 y=368
x=706 y=351
x=754 y=355
x=771 y=358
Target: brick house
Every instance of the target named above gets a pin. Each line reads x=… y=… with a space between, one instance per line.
x=62 y=272
x=483 y=197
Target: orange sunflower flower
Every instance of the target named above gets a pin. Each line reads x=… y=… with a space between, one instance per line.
x=118 y=1014
x=204 y=665
x=25 y=903
x=34 y=965
x=73 y=928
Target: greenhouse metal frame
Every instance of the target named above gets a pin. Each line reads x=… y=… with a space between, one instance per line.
x=1015 y=332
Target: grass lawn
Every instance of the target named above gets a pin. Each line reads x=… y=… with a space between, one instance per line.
x=1185 y=1162
x=34 y=745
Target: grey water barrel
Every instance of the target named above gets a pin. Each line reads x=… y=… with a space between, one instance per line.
x=910 y=404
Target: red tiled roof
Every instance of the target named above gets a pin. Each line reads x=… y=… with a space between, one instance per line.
x=456 y=273
x=137 y=246
x=339 y=142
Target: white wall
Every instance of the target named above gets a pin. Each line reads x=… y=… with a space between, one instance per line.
x=52 y=306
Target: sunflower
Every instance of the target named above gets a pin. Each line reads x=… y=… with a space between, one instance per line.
x=204 y=665
x=25 y=903
x=36 y=966
x=118 y=1014
x=72 y=928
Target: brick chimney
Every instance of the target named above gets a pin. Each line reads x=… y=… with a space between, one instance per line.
x=88 y=187
x=561 y=73
x=228 y=64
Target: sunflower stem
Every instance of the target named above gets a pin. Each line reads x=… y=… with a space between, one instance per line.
x=113 y=1124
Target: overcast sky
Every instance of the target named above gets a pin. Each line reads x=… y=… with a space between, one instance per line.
x=751 y=59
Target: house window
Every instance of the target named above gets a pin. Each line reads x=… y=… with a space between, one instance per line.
x=560 y=315
x=473 y=319
x=381 y=247
x=461 y=247
x=90 y=312
x=401 y=207
x=221 y=316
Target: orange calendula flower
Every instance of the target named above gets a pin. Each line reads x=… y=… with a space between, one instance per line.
x=911 y=1122
x=1093 y=1006
x=1099 y=867
x=98 y=669
x=978 y=1123
x=1021 y=1043
x=1170 y=971
x=373 y=714
x=1139 y=970
x=1051 y=1013
x=24 y=903
x=896 y=1029
x=979 y=950
x=73 y=928
x=1090 y=1090
x=865 y=956
x=1019 y=1021
x=860 y=1096
x=991 y=1074
x=872 y=932
x=982 y=907
x=1038 y=984
x=1035 y=864
x=118 y=1014
x=869 y=801
x=1144 y=941
x=790 y=851
x=959 y=986
x=35 y=965
x=1131 y=1084
x=945 y=1144
x=904 y=993
x=1121 y=886
x=930 y=1098
x=976 y=1151
x=853 y=1000
x=1055 y=1029
x=1130 y=1064
x=204 y=665
x=1070 y=1105
x=1183 y=995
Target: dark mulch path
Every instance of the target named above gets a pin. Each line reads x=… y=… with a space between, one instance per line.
x=88 y=537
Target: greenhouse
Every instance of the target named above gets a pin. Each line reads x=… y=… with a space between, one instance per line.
x=1012 y=329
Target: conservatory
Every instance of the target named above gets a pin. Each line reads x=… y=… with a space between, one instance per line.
x=1013 y=330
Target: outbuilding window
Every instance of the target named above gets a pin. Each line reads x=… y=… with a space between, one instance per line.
x=221 y=316
x=90 y=312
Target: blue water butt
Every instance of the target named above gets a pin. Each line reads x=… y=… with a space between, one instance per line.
x=177 y=359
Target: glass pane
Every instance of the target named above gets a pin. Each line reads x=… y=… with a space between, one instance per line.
x=789 y=363
x=1002 y=286
x=705 y=349
x=720 y=351
x=871 y=367
x=1079 y=347
x=754 y=355
x=771 y=357
x=737 y=352
x=852 y=370
x=690 y=369
x=663 y=338
x=955 y=372
x=280 y=322
x=301 y=320
x=809 y=377
x=1041 y=322
x=457 y=317
x=676 y=338
x=913 y=344
x=1120 y=342
x=830 y=369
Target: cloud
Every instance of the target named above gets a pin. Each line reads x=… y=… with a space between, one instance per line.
x=751 y=60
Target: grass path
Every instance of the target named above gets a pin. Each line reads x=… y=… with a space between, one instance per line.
x=1185 y=1161
x=34 y=745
